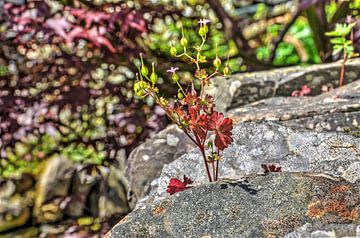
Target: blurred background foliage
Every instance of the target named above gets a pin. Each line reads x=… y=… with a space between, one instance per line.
x=67 y=67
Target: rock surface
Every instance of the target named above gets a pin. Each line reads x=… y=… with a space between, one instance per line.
x=332 y=111
x=241 y=89
x=146 y=161
x=52 y=188
x=257 y=143
x=274 y=205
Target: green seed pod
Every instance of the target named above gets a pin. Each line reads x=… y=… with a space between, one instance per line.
x=226 y=70
x=217 y=62
x=153 y=78
x=173 y=51
x=180 y=95
x=183 y=42
x=139 y=88
x=144 y=71
x=175 y=77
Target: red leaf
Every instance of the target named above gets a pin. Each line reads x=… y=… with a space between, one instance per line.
x=176 y=185
x=222 y=127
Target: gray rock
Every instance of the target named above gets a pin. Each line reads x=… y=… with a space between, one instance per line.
x=52 y=188
x=257 y=143
x=240 y=89
x=146 y=161
x=332 y=111
x=274 y=205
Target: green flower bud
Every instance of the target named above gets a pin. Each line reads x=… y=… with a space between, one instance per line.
x=203 y=31
x=226 y=70
x=180 y=95
x=173 y=51
x=183 y=42
x=175 y=77
x=217 y=62
x=144 y=71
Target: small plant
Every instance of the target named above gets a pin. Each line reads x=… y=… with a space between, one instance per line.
x=193 y=110
x=342 y=44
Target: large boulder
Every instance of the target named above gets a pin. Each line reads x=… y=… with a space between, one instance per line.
x=257 y=143
x=146 y=161
x=274 y=205
x=52 y=188
x=241 y=89
x=75 y=190
x=332 y=111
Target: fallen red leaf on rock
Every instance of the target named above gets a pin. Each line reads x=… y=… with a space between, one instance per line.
x=175 y=185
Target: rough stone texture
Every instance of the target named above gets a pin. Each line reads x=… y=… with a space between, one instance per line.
x=52 y=188
x=257 y=143
x=146 y=161
x=332 y=111
x=275 y=205
x=14 y=204
x=241 y=89
x=62 y=190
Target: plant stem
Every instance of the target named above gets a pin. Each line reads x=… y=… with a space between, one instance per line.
x=217 y=170
x=206 y=164
x=342 y=71
x=213 y=170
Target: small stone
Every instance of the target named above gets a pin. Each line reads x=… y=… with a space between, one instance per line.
x=172 y=140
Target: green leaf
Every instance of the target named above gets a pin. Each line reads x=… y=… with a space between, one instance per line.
x=338 y=41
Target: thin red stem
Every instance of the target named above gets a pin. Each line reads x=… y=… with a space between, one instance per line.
x=217 y=170
x=202 y=150
x=342 y=71
x=213 y=170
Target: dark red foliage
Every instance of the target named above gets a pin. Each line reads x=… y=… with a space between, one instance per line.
x=222 y=127
x=175 y=185
x=50 y=56
x=198 y=116
x=270 y=168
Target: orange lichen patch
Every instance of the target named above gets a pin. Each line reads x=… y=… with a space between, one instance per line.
x=339 y=189
x=340 y=209
x=158 y=210
x=319 y=208
x=315 y=210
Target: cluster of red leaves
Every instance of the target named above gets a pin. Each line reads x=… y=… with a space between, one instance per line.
x=305 y=90
x=197 y=116
x=175 y=185
x=270 y=168
x=96 y=26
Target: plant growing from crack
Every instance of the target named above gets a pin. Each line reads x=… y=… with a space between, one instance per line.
x=192 y=110
x=341 y=43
